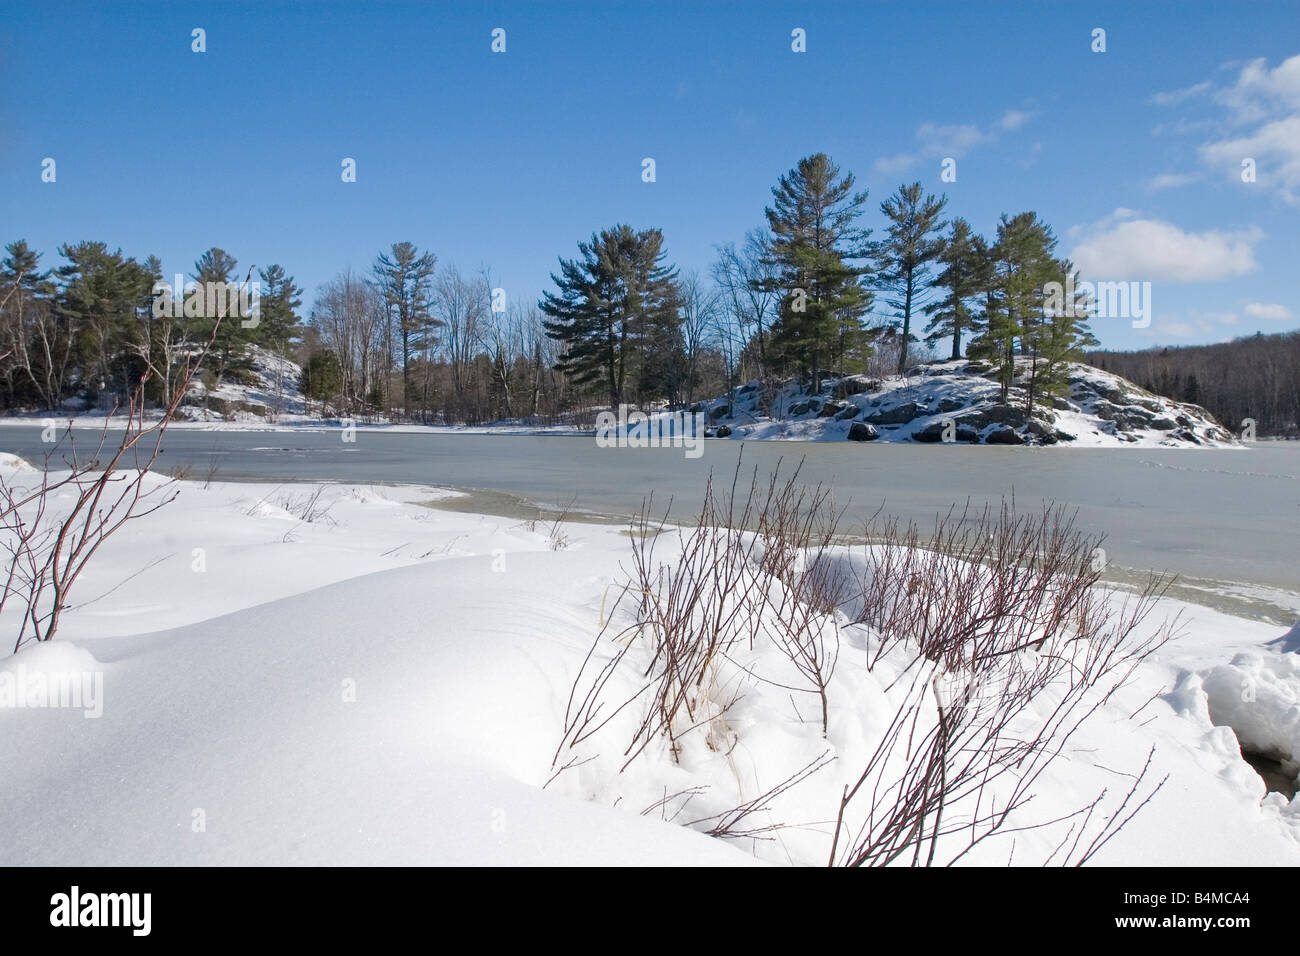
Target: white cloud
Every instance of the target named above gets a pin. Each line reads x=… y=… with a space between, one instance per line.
x=898 y=163
x=1176 y=329
x=1275 y=147
x=1172 y=180
x=1275 y=312
x=1174 y=97
x=1259 y=119
x=1014 y=119
x=950 y=140
x=1125 y=246
x=1260 y=92
x=941 y=140
x=1202 y=326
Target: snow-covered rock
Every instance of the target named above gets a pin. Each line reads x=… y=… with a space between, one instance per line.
x=960 y=401
x=266 y=392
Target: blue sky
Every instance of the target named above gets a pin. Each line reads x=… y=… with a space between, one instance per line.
x=507 y=160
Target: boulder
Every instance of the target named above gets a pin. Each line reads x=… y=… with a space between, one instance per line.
x=226 y=406
x=1004 y=436
x=898 y=415
x=983 y=415
x=1105 y=410
x=861 y=431
x=831 y=409
x=1126 y=417
x=1112 y=393
x=854 y=386
x=1129 y=417
x=934 y=432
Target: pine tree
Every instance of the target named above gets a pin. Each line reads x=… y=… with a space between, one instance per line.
x=903 y=259
x=280 y=299
x=1056 y=336
x=815 y=240
x=102 y=298
x=614 y=303
x=322 y=377
x=1022 y=263
x=1022 y=318
x=214 y=271
x=964 y=277
x=406 y=280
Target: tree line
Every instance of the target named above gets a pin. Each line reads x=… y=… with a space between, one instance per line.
x=1256 y=377
x=810 y=293
x=91 y=327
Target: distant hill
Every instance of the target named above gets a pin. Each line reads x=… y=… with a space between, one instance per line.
x=959 y=401
x=1255 y=377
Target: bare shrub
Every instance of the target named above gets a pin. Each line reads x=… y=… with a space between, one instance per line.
x=728 y=584
x=46 y=549
x=1007 y=647
x=1004 y=614
x=308 y=507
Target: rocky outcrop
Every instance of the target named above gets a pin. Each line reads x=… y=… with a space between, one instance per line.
x=961 y=401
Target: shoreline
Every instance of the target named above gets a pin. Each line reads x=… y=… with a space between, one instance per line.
x=566 y=431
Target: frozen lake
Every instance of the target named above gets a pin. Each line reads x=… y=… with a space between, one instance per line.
x=1228 y=521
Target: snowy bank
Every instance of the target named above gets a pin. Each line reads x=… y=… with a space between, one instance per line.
x=388 y=683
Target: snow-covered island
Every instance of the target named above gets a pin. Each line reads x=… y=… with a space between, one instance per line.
x=961 y=401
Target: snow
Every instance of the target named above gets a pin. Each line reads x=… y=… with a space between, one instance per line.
x=1256 y=695
x=387 y=684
